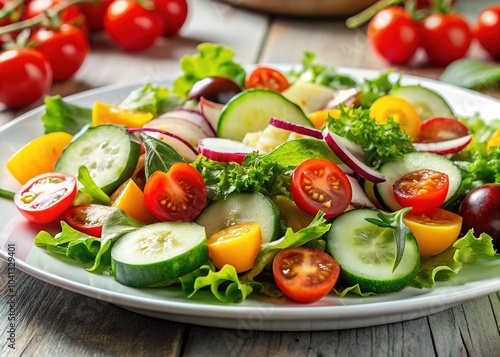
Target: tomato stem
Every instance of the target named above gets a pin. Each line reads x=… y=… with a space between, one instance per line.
x=6 y=194
x=10 y=8
x=365 y=15
x=39 y=19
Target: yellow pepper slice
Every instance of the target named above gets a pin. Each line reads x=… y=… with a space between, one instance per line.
x=494 y=140
x=401 y=111
x=103 y=113
x=38 y=156
x=130 y=198
x=320 y=117
x=237 y=245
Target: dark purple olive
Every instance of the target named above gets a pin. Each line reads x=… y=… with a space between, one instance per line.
x=215 y=89
x=480 y=210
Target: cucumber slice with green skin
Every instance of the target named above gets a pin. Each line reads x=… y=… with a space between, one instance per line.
x=366 y=253
x=109 y=153
x=427 y=102
x=410 y=162
x=239 y=208
x=158 y=253
x=250 y=111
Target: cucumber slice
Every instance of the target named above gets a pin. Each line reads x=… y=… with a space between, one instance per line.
x=239 y=208
x=410 y=162
x=156 y=254
x=366 y=253
x=250 y=111
x=108 y=151
x=427 y=102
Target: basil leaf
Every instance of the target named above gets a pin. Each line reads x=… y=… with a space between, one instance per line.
x=91 y=189
x=471 y=73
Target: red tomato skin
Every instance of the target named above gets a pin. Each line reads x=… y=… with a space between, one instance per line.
x=26 y=77
x=340 y=199
x=488 y=30
x=304 y=286
x=70 y=15
x=267 y=78
x=174 y=13
x=445 y=37
x=77 y=216
x=65 y=50
x=94 y=14
x=131 y=26
x=164 y=193
x=394 y=35
x=53 y=210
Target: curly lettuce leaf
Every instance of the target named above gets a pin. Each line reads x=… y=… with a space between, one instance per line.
x=320 y=74
x=444 y=266
x=224 y=284
x=211 y=60
x=380 y=142
x=355 y=289
x=60 y=115
x=372 y=89
x=152 y=99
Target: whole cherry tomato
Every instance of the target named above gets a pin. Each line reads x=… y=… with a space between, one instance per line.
x=94 y=13
x=70 y=15
x=13 y=15
x=445 y=37
x=173 y=13
x=488 y=30
x=25 y=75
x=65 y=49
x=132 y=26
x=394 y=34
x=44 y=198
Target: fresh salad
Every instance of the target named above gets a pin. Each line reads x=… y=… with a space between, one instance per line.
x=301 y=183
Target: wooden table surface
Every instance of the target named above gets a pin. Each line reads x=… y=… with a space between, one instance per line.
x=51 y=321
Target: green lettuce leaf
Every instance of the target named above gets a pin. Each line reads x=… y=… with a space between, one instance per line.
x=446 y=265
x=471 y=73
x=294 y=152
x=211 y=60
x=91 y=189
x=224 y=284
x=63 y=116
x=372 y=89
x=355 y=289
x=152 y=99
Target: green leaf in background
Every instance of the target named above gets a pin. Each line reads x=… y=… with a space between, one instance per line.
x=63 y=116
x=152 y=99
x=470 y=73
x=211 y=60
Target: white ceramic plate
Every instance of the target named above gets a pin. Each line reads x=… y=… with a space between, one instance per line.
x=256 y=313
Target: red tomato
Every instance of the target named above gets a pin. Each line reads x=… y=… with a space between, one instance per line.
x=488 y=30
x=65 y=49
x=173 y=13
x=394 y=34
x=26 y=77
x=13 y=15
x=424 y=190
x=445 y=37
x=320 y=185
x=304 y=274
x=94 y=13
x=132 y=26
x=70 y=15
x=267 y=78
x=178 y=195
x=87 y=218
x=440 y=129
x=45 y=197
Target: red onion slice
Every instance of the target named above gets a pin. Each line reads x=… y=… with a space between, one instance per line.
x=445 y=147
x=211 y=111
x=224 y=150
x=194 y=116
x=296 y=128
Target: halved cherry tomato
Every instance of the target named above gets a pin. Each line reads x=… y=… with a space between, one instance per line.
x=178 y=195
x=45 y=197
x=401 y=111
x=320 y=185
x=87 y=218
x=305 y=274
x=267 y=78
x=434 y=231
x=237 y=245
x=440 y=129
x=425 y=190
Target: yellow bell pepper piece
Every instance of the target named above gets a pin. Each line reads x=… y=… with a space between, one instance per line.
x=494 y=140
x=38 y=156
x=130 y=198
x=103 y=113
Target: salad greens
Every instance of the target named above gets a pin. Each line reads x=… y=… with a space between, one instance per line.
x=471 y=73
x=270 y=174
